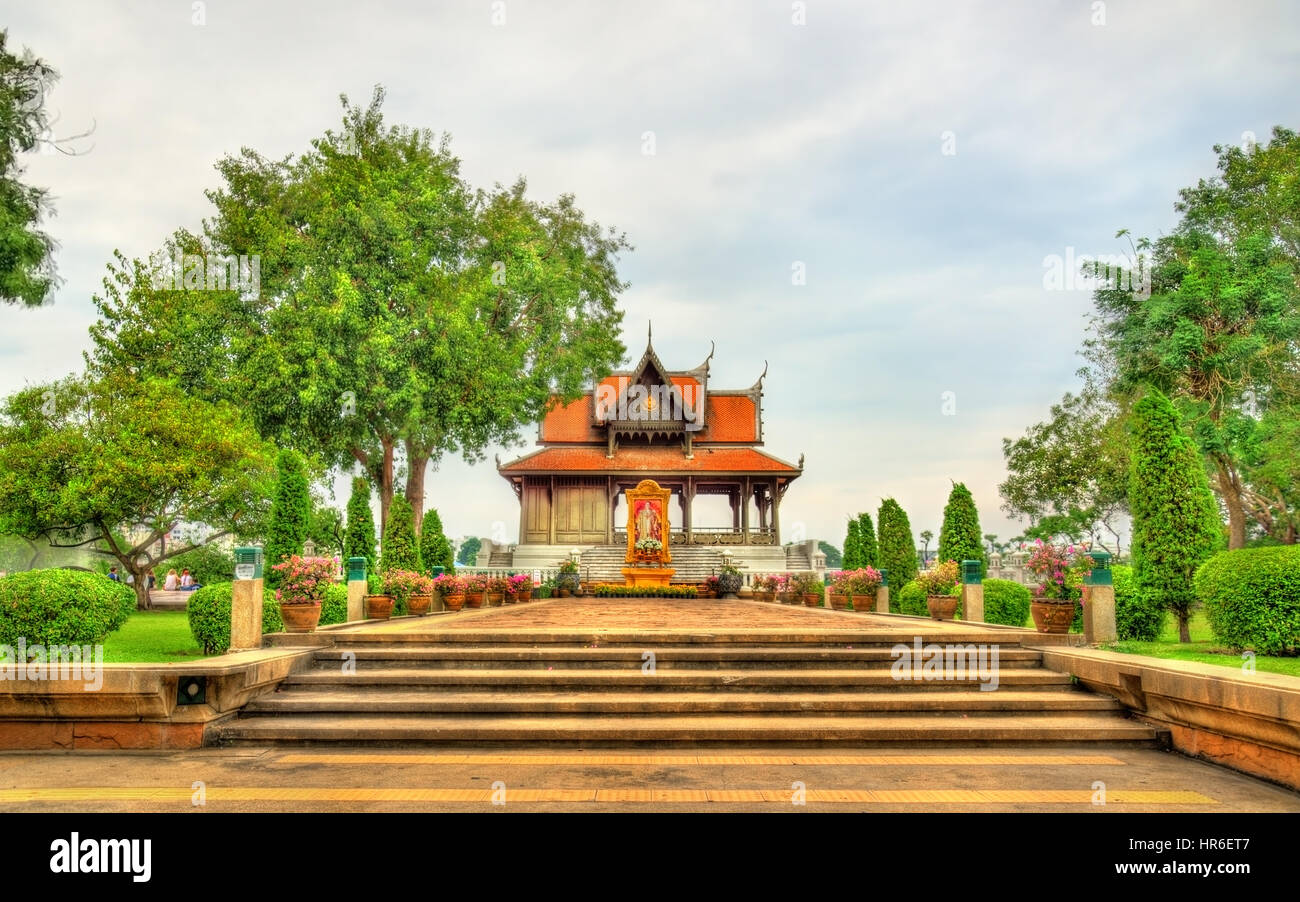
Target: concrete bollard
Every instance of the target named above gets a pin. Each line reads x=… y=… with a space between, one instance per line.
x=357 y=588
x=972 y=592
x=246 y=600
x=1099 y=602
x=882 y=593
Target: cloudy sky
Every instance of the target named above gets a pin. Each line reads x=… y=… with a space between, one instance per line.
x=916 y=161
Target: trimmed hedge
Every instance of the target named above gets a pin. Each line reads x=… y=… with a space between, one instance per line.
x=61 y=607
x=334 y=607
x=960 y=538
x=209 y=614
x=1252 y=598
x=1135 y=618
x=1006 y=602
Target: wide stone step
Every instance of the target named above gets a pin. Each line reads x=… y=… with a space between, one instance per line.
x=420 y=729
x=429 y=701
x=664 y=680
x=622 y=657
x=655 y=639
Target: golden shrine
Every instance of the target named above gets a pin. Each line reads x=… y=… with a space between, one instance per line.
x=648 y=535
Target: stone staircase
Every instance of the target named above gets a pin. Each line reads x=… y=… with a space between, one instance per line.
x=502 y=560
x=796 y=558
x=572 y=688
x=693 y=563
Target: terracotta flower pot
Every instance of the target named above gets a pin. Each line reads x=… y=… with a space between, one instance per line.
x=300 y=618
x=494 y=599
x=839 y=602
x=419 y=604
x=811 y=598
x=473 y=599
x=454 y=602
x=1052 y=617
x=562 y=593
x=942 y=607
x=379 y=607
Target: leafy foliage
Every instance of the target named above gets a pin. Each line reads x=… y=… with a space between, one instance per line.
x=435 y=549
x=1252 y=598
x=1176 y=522
x=290 y=513
x=400 y=550
x=61 y=607
x=960 y=538
x=834 y=558
x=334 y=606
x=852 y=558
x=1006 y=602
x=469 y=550
x=207 y=564
x=870 y=551
x=208 y=610
x=897 y=546
x=1135 y=616
x=360 y=538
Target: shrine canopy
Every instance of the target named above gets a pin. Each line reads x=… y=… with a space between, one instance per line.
x=651 y=422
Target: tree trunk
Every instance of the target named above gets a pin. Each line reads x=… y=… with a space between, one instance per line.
x=385 y=485
x=1184 y=632
x=1230 y=491
x=416 y=464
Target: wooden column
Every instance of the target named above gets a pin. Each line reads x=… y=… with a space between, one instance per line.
x=745 y=492
x=610 y=497
x=551 y=525
x=690 y=501
x=523 y=509
x=776 y=514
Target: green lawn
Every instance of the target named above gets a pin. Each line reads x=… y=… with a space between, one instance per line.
x=152 y=637
x=1202 y=648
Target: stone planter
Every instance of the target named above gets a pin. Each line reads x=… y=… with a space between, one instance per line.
x=300 y=618
x=419 y=605
x=729 y=584
x=1052 y=617
x=473 y=599
x=454 y=602
x=379 y=607
x=942 y=607
x=839 y=602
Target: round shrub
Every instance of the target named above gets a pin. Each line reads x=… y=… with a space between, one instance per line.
x=1135 y=618
x=209 y=615
x=1005 y=602
x=1252 y=598
x=334 y=607
x=61 y=607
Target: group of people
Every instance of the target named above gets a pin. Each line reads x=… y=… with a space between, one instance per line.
x=183 y=582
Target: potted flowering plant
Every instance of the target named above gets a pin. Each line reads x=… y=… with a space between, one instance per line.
x=648 y=546
x=729 y=582
x=806 y=587
x=519 y=587
x=764 y=587
x=710 y=587
x=401 y=585
x=303 y=581
x=421 y=599
x=861 y=586
x=568 y=581
x=938 y=583
x=1061 y=570
x=379 y=604
x=475 y=587
x=496 y=591
x=784 y=590
x=451 y=589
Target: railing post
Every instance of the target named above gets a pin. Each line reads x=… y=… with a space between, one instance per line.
x=357 y=588
x=1099 y=601
x=972 y=592
x=882 y=594
x=246 y=600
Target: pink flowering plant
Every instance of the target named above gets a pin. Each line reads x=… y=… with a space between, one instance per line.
x=402 y=584
x=1060 y=569
x=476 y=584
x=518 y=582
x=862 y=582
x=303 y=580
x=445 y=584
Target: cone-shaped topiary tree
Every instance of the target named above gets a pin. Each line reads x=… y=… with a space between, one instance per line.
x=435 y=549
x=1176 y=524
x=867 y=541
x=400 y=549
x=852 y=547
x=897 y=547
x=359 y=540
x=290 y=513
x=960 y=538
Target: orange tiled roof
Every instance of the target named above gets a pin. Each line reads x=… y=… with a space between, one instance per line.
x=730 y=418
x=652 y=460
x=571 y=423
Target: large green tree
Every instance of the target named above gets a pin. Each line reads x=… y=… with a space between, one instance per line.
x=435 y=549
x=1220 y=332
x=1068 y=475
x=26 y=252
x=897 y=546
x=290 y=512
x=114 y=465
x=960 y=538
x=1176 y=523
x=360 y=538
x=469 y=551
x=867 y=541
x=406 y=315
